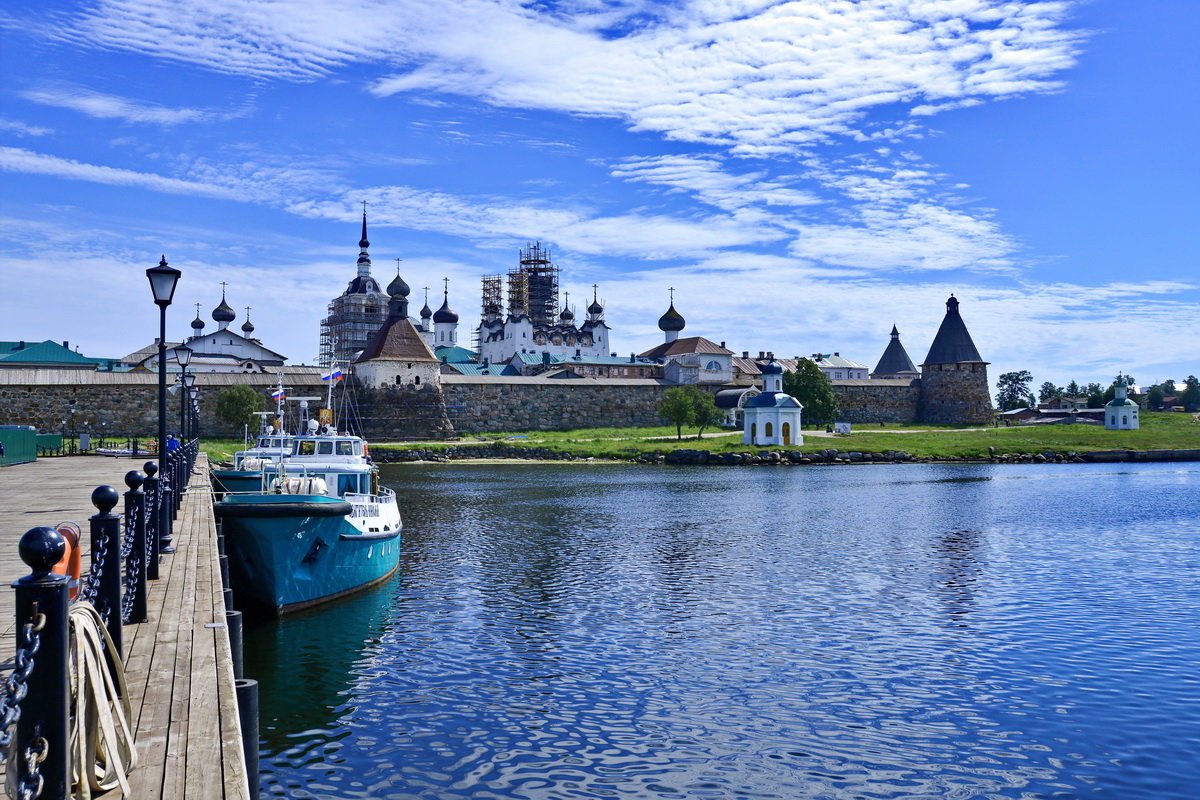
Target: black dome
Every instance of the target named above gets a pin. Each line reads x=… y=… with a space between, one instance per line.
x=671 y=321
x=362 y=284
x=197 y=323
x=567 y=315
x=595 y=308
x=426 y=311
x=247 y=327
x=444 y=314
x=223 y=313
x=398 y=287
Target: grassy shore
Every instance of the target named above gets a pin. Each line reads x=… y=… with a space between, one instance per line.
x=1159 y=431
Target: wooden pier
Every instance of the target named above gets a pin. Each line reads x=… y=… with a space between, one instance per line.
x=178 y=664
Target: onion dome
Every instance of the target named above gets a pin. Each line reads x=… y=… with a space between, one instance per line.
x=197 y=324
x=444 y=314
x=671 y=321
x=247 y=327
x=771 y=368
x=595 y=308
x=398 y=287
x=223 y=313
x=426 y=311
x=567 y=315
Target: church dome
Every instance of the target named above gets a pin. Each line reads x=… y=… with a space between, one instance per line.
x=671 y=321
x=567 y=315
x=398 y=287
x=426 y=311
x=197 y=323
x=223 y=313
x=247 y=327
x=595 y=308
x=444 y=314
x=771 y=368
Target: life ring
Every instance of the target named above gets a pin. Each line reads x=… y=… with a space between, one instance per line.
x=71 y=564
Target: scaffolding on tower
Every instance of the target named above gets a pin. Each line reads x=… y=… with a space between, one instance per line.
x=541 y=284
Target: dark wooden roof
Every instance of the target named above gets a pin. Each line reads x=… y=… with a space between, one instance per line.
x=679 y=347
x=397 y=340
x=895 y=359
x=952 y=344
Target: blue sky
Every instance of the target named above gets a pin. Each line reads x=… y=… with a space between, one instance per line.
x=804 y=174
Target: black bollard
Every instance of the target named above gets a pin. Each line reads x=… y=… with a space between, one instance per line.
x=233 y=620
x=224 y=562
x=247 y=700
x=221 y=538
x=41 y=599
x=153 y=517
x=106 y=561
x=166 y=511
x=135 y=523
x=228 y=594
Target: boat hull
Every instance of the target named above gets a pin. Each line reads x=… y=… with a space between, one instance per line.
x=237 y=480
x=289 y=552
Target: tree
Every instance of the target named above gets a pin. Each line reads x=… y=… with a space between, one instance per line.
x=1049 y=391
x=810 y=386
x=1014 y=390
x=1190 y=399
x=1095 y=395
x=1154 y=398
x=1073 y=389
x=677 y=407
x=236 y=405
x=705 y=413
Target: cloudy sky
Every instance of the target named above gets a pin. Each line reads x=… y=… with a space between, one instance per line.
x=804 y=174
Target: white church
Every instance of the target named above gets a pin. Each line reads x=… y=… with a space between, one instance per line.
x=772 y=417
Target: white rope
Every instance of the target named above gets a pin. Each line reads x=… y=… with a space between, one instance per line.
x=102 y=747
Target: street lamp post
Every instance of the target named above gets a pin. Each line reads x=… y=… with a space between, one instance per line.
x=183 y=354
x=163 y=280
x=194 y=393
x=185 y=406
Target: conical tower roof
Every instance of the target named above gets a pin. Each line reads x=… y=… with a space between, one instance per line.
x=952 y=344
x=894 y=360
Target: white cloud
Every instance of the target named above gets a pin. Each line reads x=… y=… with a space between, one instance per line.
x=23 y=129
x=753 y=76
x=107 y=106
x=706 y=177
x=16 y=159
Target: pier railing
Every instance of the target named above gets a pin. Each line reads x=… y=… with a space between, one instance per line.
x=126 y=548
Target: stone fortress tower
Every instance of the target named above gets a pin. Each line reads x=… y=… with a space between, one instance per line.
x=954 y=382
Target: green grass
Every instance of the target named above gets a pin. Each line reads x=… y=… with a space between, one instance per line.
x=1160 y=431
x=221 y=449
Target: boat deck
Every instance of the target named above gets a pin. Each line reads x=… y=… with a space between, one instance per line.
x=179 y=666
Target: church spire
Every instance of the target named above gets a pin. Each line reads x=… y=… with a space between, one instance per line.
x=364 y=258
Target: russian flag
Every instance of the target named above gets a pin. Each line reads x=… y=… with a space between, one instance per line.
x=279 y=394
x=334 y=374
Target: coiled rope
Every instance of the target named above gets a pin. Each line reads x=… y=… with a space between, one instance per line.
x=102 y=747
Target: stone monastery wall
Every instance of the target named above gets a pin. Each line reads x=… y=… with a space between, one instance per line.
x=874 y=401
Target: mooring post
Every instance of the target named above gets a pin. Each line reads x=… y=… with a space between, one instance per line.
x=153 y=517
x=106 y=562
x=41 y=754
x=246 y=691
x=233 y=620
x=135 y=526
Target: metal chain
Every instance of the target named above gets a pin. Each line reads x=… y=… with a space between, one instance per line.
x=15 y=687
x=31 y=786
x=126 y=536
x=91 y=588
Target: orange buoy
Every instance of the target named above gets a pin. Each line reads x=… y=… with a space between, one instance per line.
x=71 y=564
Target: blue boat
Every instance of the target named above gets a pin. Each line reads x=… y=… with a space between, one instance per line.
x=269 y=448
x=317 y=528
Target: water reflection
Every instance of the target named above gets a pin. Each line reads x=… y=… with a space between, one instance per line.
x=615 y=632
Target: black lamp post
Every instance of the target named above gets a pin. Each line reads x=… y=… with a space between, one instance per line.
x=183 y=354
x=163 y=280
x=194 y=393
x=185 y=406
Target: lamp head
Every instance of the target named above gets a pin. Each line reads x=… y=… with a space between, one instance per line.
x=163 y=280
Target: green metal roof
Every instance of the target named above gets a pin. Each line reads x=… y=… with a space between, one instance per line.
x=47 y=352
x=453 y=355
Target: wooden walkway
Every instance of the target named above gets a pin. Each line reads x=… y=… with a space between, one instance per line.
x=178 y=663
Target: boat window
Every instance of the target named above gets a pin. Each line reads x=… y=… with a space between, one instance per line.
x=345 y=448
x=326 y=449
x=306 y=448
x=358 y=448
x=347 y=483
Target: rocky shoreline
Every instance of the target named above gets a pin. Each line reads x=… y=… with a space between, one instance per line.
x=776 y=457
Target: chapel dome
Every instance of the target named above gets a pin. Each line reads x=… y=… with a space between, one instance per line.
x=671 y=321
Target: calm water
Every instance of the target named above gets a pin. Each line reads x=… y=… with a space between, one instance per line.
x=604 y=631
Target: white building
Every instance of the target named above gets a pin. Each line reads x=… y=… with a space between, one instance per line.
x=772 y=417
x=1121 y=413
x=837 y=368
x=398 y=355
x=222 y=350
x=693 y=359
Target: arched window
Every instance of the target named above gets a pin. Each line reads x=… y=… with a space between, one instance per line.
x=753 y=432
x=398 y=380
x=1124 y=419
x=713 y=366
x=768 y=430
x=417 y=380
x=1112 y=420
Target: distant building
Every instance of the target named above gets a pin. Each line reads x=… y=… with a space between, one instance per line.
x=48 y=354
x=837 y=368
x=691 y=360
x=895 y=363
x=1064 y=404
x=535 y=323
x=732 y=401
x=954 y=385
x=355 y=315
x=397 y=354
x=1121 y=413
x=772 y=417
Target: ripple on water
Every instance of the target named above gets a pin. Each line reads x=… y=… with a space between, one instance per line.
x=616 y=632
